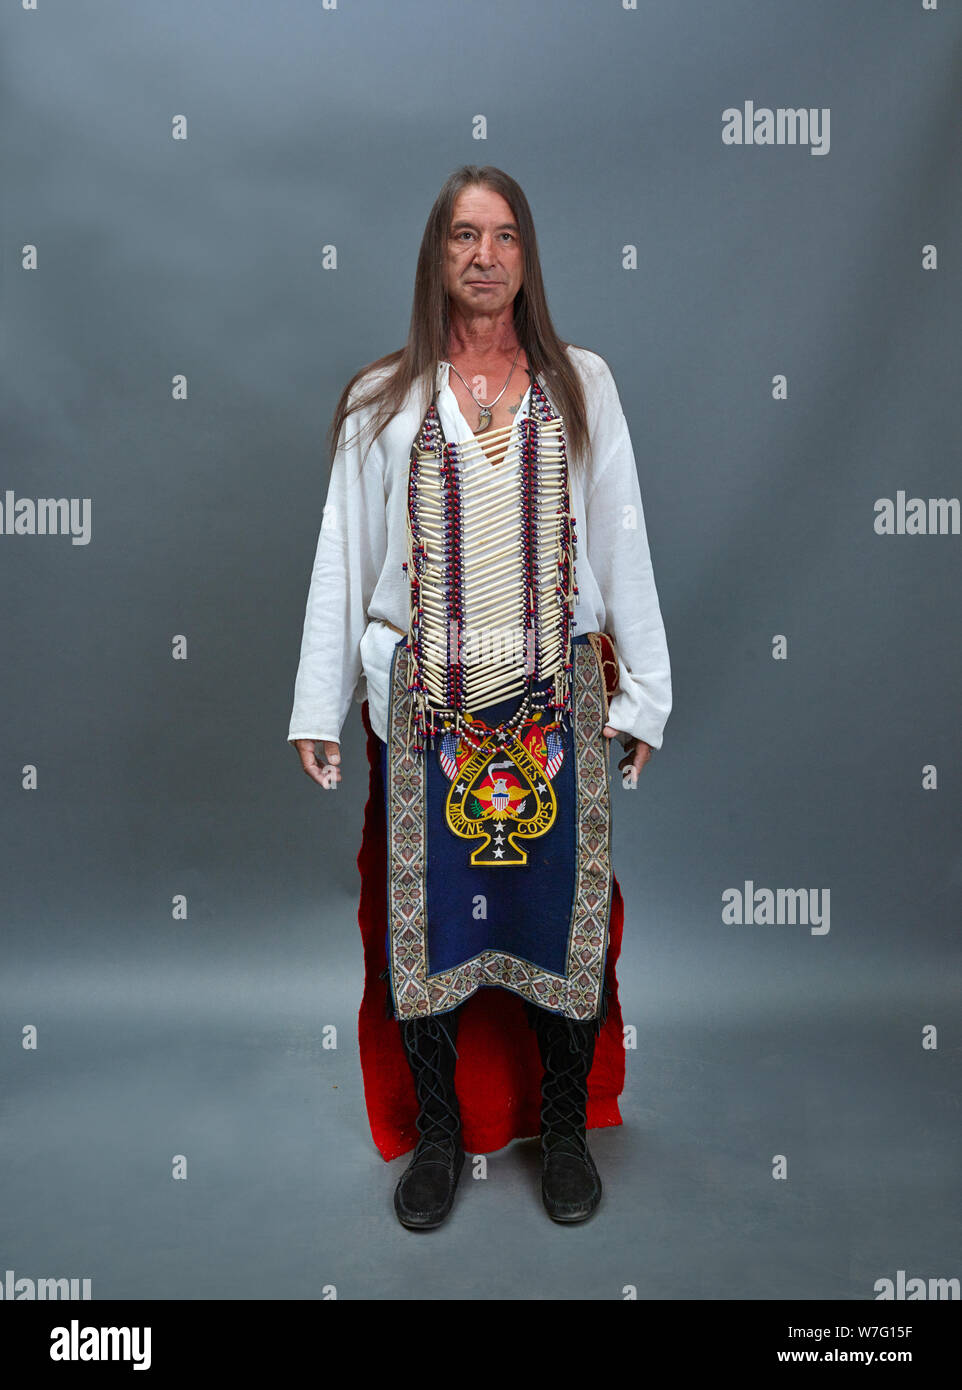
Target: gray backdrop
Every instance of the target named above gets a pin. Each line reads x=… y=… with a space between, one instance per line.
x=202 y=257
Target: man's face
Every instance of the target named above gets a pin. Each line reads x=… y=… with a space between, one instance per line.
x=483 y=264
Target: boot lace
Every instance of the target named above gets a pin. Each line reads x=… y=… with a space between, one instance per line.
x=564 y=1095
x=431 y=1048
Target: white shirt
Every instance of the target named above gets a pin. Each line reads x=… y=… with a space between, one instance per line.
x=362 y=544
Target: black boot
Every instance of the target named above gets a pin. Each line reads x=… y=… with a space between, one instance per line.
x=570 y=1185
x=425 y=1193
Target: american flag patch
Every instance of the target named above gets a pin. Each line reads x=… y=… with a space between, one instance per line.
x=447 y=755
x=555 y=749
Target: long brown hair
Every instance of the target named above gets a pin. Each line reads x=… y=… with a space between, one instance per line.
x=427 y=343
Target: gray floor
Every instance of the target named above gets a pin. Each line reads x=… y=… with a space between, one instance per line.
x=285 y=1194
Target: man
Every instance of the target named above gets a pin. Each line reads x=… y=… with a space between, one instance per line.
x=483 y=574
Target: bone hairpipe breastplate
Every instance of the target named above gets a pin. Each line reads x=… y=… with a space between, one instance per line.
x=491 y=566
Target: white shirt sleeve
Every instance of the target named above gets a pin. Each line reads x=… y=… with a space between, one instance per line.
x=350 y=553
x=618 y=553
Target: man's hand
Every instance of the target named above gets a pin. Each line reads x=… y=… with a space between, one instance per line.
x=636 y=755
x=327 y=773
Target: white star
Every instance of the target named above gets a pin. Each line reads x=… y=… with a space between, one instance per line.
x=498 y=853
x=459 y=788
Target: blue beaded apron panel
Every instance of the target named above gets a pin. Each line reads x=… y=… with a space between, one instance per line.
x=499 y=863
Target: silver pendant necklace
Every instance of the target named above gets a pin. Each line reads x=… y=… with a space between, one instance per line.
x=484 y=419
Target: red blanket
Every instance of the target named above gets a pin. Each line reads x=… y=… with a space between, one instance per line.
x=499 y=1070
